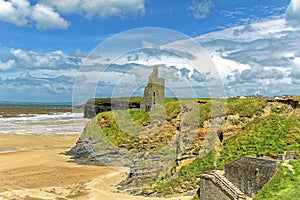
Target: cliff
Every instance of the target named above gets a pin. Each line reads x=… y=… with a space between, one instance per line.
x=97 y=105
x=164 y=149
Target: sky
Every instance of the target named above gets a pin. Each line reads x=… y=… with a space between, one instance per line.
x=51 y=49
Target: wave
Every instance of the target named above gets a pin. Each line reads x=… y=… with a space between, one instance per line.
x=54 y=123
x=36 y=104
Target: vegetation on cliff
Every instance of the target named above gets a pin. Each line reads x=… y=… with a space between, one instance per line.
x=186 y=179
x=284 y=185
x=252 y=127
x=267 y=136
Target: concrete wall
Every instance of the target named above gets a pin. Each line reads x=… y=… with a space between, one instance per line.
x=209 y=190
x=250 y=174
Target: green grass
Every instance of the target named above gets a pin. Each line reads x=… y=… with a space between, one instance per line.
x=269 y=136
x=94 y=131
x=245 y=107
x=205 y=113
x=172 y=109
x=187 y=175
x=122 y=127
x=118 y=128
x=284 y=185
x=141 y=118
x=124 y=99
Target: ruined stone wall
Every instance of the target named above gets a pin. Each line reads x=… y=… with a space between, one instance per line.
x=92 y=108
x=250 y=174
x=154 y=93
x=209 y=189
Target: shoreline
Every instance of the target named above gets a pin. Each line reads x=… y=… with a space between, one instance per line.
x=33 y=161
x=36 y=168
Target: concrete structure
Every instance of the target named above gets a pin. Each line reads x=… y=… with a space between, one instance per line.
x=154 y=93
x=215 y=186
x=250 y=174
x=243 y=179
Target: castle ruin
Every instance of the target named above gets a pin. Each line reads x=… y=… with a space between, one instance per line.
x=154 y=93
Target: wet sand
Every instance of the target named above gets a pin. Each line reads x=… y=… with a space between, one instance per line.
x=33 y=167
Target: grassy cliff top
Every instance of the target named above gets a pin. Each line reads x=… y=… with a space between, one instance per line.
x=252 y=127
x=134 y=99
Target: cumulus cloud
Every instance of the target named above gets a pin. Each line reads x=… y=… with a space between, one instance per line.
x=28 y=87
x=259 y=72
x=45 y=18
x=98 y=8
x=263 y=57
x=200 y=9
x=10 y=64
x=15 y=11
x=293 y=10
x=46 y=14
x=49 y=60
x=22 y=13
x=66 y=6
x=295 y=73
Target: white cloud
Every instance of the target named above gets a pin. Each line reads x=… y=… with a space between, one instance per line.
x=293 y=10
x=66 y=6
x=21 y=13
x=15 y=12
x=98 y=8
x=46 y=14
x=51 y=60
x=28 y=87
x=10 y=64
x=200 y=9
x=45 y=18
x=261 y=57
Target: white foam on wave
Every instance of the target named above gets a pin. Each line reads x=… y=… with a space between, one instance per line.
x=45 y=124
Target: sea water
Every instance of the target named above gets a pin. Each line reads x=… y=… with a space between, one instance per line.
x=44 y=119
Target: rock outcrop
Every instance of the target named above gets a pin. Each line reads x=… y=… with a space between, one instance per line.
x=95 y=106
x=170 y=139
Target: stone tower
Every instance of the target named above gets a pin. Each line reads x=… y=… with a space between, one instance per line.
x=154 y=93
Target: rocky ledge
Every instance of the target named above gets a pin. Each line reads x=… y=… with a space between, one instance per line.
x=94 y=106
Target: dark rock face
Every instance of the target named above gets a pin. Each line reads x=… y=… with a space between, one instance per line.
x=82 y=151
x=147 y=162
x=295 y=104
x=143 y=167
x=85 y=153
x=92 y=108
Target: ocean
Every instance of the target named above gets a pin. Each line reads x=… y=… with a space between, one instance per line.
x=40 y=118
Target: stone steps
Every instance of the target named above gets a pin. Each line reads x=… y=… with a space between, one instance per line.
x=227 y=186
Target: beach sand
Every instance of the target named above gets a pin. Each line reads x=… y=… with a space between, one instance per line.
x=32 y=167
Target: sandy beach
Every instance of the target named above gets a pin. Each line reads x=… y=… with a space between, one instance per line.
x=33 y=167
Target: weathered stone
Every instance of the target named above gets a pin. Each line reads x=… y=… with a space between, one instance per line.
x=93 y=107
x=210 y=190
x=154 y=93
x=250 y=174
x=293 y=103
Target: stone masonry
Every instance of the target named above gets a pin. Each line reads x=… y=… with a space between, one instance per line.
x=242 y=179
x=154 y=93
x=250 y=174
x=215 y=186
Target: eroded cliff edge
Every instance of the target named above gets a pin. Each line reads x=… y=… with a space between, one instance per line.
x=164 y=151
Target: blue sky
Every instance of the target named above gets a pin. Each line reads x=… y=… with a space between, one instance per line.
x=44 y=42
x=183 y=16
